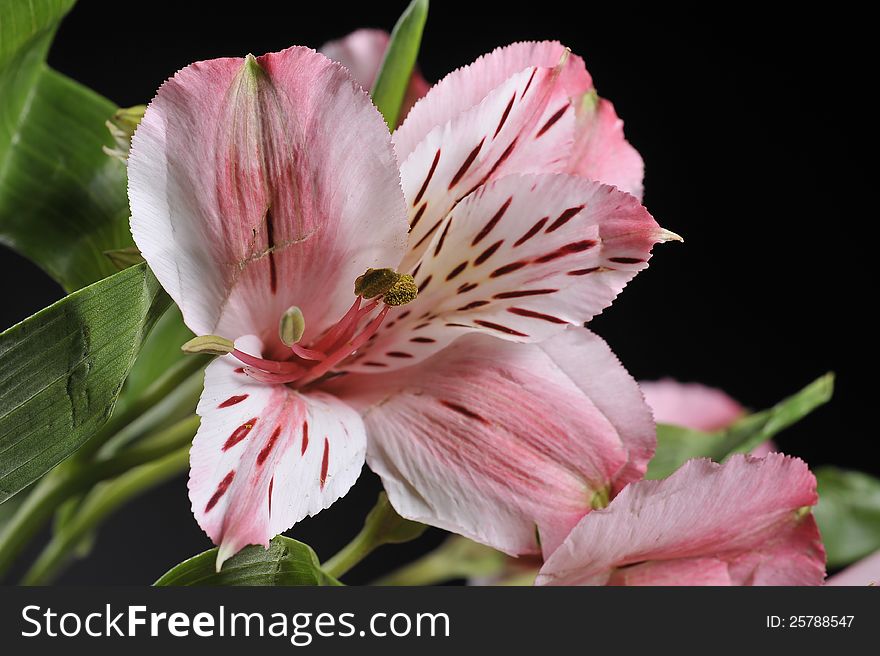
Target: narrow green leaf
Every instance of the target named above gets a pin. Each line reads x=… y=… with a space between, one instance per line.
x=61 y=371
x=391 y=83
x=848 y=514
x=62 y=200
x=285 y=563
x=676 y=444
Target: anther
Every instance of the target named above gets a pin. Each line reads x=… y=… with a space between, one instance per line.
x=292 y=326
x=403 y=291
x=375 y=282
x=210 y=344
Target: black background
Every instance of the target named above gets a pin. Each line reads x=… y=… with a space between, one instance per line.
x=754 y=131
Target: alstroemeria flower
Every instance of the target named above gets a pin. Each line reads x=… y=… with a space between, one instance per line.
x=362 y=52
x=263 y=190
x=696 y=406
x=746 y=522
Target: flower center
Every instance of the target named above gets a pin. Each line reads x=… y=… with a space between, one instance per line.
x=308 y=363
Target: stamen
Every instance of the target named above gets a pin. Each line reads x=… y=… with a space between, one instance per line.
x=270 y=366
x=307 y=354
x=292 y=326
x=211 y=344
x=335 y=333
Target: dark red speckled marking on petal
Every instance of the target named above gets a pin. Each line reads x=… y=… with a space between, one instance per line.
x=499 y=328
x=238 y=370
x=325 y=462
x=468 y=286
x=526 y=292
x=399 y=354
x=535 y=315
x=270 y=246
x=239 y=433
x=427 y=180
x=271 y=485
x=424 y=284
x=232 y=400
x=505 y=115
x=267 y=449
x=529 y=83
x=375 y=364
x=422 y=325
x=442 y=239
x=418 y=216
x=532 y=232
x=467 y=163
x=472 y=306
x=626 y=260
x=564 y=218
x=582 y=272
x=305 y=442
x=427 y=234
x=460 y=409
x=220 y=491
x=568 y=249
x=457 y=270
x=492 y=222
x=551 y=121
x=422 y=340
x=507 y=268
x=489 y=252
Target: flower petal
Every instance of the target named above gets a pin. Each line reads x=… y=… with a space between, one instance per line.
x=524 y=125
x=747 y=513
x=244 y=174
x=467 y=86
x=362 y=52
x=265 y=456
x=601 y=152
x=520 y=259
x=864 y=572
x=497 y=442
x=690 y=405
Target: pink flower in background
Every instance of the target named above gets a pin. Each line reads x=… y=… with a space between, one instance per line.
x=692 y=405
x=362 y=52
x=262 y=189
x=864 y=572
x=746 y=522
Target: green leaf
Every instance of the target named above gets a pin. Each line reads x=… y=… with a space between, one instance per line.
x=676 y=444
x=62 y=200
x=391 y=83
x=61 y=371
x=848 y=514
x=285 y=562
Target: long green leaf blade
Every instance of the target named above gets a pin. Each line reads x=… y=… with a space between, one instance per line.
x=676 y=445
x=61 y=371
x=285 y=563
x=391 y=83
x=848 y=514
x=62 y=200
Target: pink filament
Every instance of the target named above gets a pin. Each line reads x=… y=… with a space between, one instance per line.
x=335 y=346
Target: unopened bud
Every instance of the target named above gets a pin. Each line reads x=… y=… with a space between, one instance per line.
x=122 y=258
x=122 y=126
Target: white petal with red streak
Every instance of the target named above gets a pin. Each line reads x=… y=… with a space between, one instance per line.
x=496 y=442
x=265 y=456
x=519 y=259
x=467 y=86
x=246 y=202
x=746 y=514
x=525 y=125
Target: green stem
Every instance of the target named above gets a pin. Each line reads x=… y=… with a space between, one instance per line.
x=60 y=484
x=163 y=386
x=382 y=526
x=360 y=547
x=97 y=507
x=428 y=570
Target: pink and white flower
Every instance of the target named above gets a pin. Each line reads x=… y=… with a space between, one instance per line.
x=746 y=522
x=262 y=189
